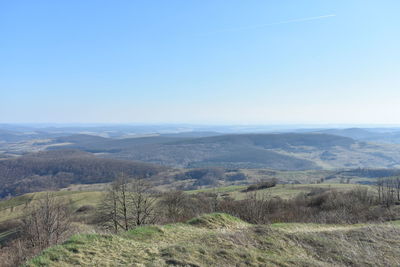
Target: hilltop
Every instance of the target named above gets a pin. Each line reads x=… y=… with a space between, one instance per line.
x=221 y=240
x=282 y=225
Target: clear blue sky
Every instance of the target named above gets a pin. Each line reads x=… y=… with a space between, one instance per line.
x=208 y=61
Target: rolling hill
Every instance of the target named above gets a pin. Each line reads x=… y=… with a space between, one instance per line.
x=287 y=151
x=57 y=169
x=388 y=136
x=222 y=240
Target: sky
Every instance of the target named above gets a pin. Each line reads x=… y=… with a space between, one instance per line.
x=205 y=62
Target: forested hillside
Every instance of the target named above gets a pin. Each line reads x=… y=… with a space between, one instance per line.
x=57 y=169
x=291 y=151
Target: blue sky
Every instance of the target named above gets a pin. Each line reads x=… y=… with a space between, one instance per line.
x=209 y=61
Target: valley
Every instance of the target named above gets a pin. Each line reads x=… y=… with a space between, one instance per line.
x=299 y=186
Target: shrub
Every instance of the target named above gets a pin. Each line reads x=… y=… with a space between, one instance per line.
x=262 y=185
x=236 y=177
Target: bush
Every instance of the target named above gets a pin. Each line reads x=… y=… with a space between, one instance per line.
x=263 y=185
x=236 y=177
x=319 y=206
x=203 y=176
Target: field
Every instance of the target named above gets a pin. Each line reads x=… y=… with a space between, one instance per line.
x=284 y=191
x=14 y=207
x=222 y=240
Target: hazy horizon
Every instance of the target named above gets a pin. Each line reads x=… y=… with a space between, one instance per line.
x=199 y=126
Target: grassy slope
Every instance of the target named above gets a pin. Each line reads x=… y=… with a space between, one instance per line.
x=221 y=240
x=285 y=191
x=16 y=206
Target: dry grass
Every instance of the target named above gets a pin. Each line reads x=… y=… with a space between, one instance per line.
x=221 y=240
x=284 y=191
x=15 y=207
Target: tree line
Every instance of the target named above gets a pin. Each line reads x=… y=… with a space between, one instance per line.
x=58 y=169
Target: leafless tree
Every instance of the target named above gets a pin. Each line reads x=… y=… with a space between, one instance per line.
x=379 y=187
x=258 y=207
x=47 y=222
x=255 y=208
x=128 y=203
x=142 y=203
x=386 y=190
x=173 y=206
x=108 y=210
x=397 y=186
x=120 y=186
x=115 y=205
x=15 y=253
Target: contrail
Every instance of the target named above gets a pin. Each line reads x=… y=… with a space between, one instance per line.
x=271 y=24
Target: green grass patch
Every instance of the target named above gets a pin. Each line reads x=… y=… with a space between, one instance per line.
x=224 y=189
x=16 y=206
x=216 y=220
x=144 y=232
x=284 y=191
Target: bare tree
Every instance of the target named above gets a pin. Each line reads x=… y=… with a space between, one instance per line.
x=142 y=203
x=120 y=186
x=386 y=190
x=108 y=210
x=115 y=205
x=47 y=222
x=173 y=205
x=397 y=186
x=258 y=207
x=379 y=187
x=15 y=253
x=128 y=203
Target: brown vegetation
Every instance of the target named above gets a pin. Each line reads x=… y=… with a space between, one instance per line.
x=47 y=223
x=261 y=185
x=128 y=203
x=57 y=169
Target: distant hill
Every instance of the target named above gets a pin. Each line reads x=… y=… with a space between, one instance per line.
x=95 y=144
x=271 y=141
x=286 y=151
x=192 y=134
x=356 y=133
x=57 y=169
x=15 y=136
x=81 y=138
x=388 y=136
x=11 y=136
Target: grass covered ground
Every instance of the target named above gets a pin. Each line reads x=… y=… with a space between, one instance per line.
x=15 y=207
x=284 y=191
x=221 y=240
